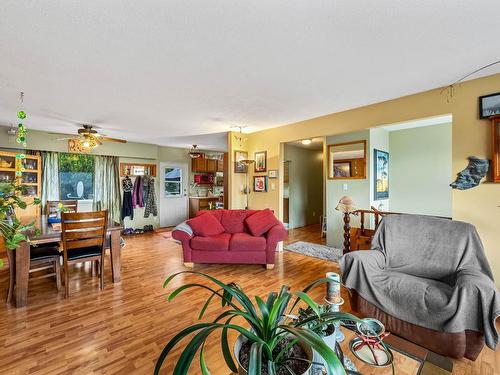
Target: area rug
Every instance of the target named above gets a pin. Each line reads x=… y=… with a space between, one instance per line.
x=315 y=250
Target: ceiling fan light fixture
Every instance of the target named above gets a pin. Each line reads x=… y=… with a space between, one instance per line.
x=195 y=153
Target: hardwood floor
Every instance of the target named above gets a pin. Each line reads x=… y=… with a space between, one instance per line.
x=122 y=329
x=309 y=233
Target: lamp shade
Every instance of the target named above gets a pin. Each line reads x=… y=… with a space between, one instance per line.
x=346 y=204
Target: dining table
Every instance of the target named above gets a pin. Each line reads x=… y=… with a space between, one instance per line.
x=49 y=234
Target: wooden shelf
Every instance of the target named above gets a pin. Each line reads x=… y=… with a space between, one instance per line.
x=29 y=183
x=8 y=169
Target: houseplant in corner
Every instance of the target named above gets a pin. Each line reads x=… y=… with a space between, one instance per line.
x=11 y=229
x=271 y=342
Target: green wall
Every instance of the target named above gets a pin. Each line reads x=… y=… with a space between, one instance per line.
x=358 y=190
x=128 y=152
x=420 y=170
x=305 y=185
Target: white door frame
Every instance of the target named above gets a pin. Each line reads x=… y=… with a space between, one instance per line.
x=182 y=207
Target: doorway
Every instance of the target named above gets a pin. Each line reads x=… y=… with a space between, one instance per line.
x=173 y=194
x=303 y=182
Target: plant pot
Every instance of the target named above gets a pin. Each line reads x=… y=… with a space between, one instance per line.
x=330 y=341
x=242 y=339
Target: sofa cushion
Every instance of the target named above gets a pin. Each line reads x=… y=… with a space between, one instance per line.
x=206 y=225
x=261 y=221
x=218 y=242
x=247 y=242
x=233 y=221
x=216 y=213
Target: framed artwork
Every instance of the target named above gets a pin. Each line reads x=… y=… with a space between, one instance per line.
x=381 y=175
x=260 y=161
x=489 y=105
x=238 y=157
x=260 y=184
x=341 y=169
x=273 y=173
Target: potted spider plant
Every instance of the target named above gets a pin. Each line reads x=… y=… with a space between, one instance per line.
x=11 y=229
x=270 y=342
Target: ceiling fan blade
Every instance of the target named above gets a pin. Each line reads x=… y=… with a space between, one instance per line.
x=65 y=138
x=112 y=139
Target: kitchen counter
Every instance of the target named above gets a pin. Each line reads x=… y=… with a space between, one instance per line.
x=200 y=203
x=214 y=198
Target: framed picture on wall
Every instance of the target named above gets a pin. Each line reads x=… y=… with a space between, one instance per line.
x=273 y=173
x=489 y=105
x=260 y=158
x=260 y=184
x=381 y=175
x=239 y=167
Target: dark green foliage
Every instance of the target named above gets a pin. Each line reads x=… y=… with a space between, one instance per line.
x=267 y=325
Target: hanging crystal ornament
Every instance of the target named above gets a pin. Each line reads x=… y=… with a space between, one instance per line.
x=21 y=138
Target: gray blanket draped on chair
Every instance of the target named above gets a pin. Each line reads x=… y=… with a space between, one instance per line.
x=428 y=271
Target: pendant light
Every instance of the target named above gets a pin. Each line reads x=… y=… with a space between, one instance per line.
x=195 y=153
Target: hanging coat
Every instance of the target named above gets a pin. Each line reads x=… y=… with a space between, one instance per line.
x=137 y=193
x=151 y=199
x=127 y=209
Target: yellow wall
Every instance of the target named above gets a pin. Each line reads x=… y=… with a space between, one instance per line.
x=471 y=136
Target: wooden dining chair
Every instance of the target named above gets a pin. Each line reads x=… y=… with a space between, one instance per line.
x=44 y=257
x=83 y=236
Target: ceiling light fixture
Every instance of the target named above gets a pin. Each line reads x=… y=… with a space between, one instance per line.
x=306 y=142
x=195 y=152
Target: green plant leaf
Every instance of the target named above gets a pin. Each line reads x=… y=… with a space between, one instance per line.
x=203 y=365
x=186 y=358
x=313 y=305
x=226 y=351
x=255 y=363
x=333 y=364
x=175 y=340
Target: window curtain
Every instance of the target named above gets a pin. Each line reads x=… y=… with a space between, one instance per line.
x=107 y=185
x=50 y=177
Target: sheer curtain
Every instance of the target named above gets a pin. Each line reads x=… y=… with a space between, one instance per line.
x=50 y=177
x=107 y=185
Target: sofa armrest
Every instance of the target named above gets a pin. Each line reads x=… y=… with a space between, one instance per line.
x=274 y=235
x=183 y=233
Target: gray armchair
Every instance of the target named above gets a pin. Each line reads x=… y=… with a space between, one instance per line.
x=427 y=279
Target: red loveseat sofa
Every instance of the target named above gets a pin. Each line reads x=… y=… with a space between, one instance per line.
x=231 y=236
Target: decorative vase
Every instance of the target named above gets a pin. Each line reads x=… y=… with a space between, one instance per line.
x=242 y=339
x=330 y=340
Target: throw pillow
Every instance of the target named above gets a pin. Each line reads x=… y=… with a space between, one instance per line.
x=205 y=225
x=260 y=222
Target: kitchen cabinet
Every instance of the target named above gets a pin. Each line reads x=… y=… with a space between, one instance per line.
x=199 y=165
x=211 y=165
x=200 y=203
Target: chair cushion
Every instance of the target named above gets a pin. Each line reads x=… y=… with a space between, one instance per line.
x=233 y=221
x=41 y=252
x=218 y=242
x=84 y=252
x=261 y=221
x=247 y=242
x=206 y=225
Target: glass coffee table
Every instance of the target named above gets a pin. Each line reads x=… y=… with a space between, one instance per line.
x=408 y=358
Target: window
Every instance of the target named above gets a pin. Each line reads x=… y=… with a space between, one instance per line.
x=76 y=176
x=173 y=182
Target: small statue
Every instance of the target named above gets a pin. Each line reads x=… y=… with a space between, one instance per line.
x=472 y=174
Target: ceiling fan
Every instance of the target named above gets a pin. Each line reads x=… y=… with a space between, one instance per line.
x=90 y=138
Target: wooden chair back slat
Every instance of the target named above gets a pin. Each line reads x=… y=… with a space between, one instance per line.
x=84 y=224
x=53 y=206
x=83 y=229
x=91 y=233
x=88 y=242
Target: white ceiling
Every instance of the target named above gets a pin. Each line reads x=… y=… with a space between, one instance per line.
x=163 y=71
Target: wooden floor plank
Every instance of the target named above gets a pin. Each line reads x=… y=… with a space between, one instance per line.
x=122 y=329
